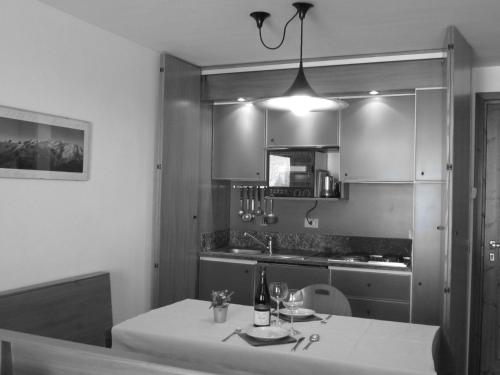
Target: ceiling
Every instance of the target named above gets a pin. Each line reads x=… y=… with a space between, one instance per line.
x=220 y=32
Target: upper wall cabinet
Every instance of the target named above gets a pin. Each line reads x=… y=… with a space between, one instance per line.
x=239 y=142
x=430 y=135
x=312 y=130
x=377 y=139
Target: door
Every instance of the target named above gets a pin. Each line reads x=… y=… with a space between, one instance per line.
x=489 y=236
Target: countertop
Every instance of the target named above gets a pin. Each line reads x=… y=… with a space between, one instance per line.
x=295 y=257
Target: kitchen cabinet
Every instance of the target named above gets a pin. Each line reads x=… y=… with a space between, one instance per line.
x=231 y=274
x=239 y=142
x=296 y=276
x=430 y=118
x=377 y=139
x=375 y=294
x=427 y=257
x=315 y=129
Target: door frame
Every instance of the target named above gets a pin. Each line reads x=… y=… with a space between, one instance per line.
x=481 y=102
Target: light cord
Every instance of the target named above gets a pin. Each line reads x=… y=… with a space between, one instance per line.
x=282 y=39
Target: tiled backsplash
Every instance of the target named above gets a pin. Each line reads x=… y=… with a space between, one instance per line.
x=325 y=243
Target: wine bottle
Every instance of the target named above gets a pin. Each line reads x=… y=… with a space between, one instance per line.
x=262 y=303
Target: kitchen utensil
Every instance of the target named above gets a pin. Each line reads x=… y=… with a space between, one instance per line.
x=271 y=218
x=313 y=338
x=252 y=202
x=237 y=330
x=325 y=320
x=241 y=211
x=258 y=211
x=327 y=187
x=297 y=344
x=247 y=216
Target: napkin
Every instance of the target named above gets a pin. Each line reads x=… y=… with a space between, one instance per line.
x=256 y=342
x=297 y=319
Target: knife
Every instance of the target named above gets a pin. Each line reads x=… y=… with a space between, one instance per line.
x=297 y=344
x=326 y=319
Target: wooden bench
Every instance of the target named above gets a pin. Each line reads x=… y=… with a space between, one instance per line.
x=75 y=309
x=26 y=354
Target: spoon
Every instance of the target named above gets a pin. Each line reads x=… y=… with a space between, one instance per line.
x=237 y=330
x=313 y=338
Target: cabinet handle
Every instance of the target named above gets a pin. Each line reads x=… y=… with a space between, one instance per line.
x=422 y=173
x=257 y=173
x=271 y=140
x=246 y=271
x=368 y=312
x=368 y=285
x=419 y=283
x=345 y=174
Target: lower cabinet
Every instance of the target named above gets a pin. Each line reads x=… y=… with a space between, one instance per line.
x=296 y=276
x=231 y=274
x=375 y=294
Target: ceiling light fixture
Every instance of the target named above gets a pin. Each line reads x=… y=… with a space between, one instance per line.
x=300 y=98
x=373 y=92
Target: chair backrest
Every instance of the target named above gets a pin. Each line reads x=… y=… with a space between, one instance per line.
x=326 y=299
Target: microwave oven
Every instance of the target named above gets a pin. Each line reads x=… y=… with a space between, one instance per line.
x=292 y=172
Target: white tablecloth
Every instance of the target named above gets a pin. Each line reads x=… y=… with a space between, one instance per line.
x=186 y=331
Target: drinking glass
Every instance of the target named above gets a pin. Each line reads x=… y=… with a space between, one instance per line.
x=293 y=300
x=278 y=291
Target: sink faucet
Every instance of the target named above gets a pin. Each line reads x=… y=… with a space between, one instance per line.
x=269 y=239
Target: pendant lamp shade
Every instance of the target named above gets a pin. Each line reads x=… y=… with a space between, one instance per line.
x=300 y=98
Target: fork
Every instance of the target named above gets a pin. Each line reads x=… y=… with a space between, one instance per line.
x=237 y=330
x=325 y=320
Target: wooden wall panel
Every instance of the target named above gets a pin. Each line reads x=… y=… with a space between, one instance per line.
x=179 y=233
x=331 y=80
x=457 y=262
x=76 y=309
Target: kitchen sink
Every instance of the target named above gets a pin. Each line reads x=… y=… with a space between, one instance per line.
x=245 y=251
x=285 y=256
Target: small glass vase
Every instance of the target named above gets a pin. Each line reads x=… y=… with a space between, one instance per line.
x=220 y=313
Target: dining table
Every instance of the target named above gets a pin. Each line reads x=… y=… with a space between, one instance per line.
x=185 y=331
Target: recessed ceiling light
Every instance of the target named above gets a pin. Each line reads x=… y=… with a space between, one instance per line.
x=241 y=99
x=374 y=92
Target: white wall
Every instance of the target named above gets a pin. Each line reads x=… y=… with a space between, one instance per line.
x=486 y=79
x=51 y=62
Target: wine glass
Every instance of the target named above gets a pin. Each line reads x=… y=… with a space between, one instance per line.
x=278 y=291
x=293 y=300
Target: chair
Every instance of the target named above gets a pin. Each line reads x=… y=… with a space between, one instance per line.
x=326 y=299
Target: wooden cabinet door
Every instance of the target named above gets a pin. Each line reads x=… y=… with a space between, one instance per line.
x=377 y=139
x=430 y=139
x=296 y=277
x=379 y=309
x=312 y=130
x=233 y=275
x=239 y=142
x=368 y=283
x=427 y=261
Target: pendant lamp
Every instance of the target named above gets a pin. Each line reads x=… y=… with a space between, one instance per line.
x=300 y=98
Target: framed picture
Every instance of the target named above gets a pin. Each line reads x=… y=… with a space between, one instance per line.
x=37 y=145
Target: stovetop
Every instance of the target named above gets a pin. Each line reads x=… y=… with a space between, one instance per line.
x=371 y=259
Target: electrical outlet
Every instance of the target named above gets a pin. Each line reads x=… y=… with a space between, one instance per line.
x=312 y=223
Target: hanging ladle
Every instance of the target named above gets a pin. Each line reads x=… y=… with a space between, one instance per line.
x=247 y=216
x=270 y=217
x=241 y=211
x=258 y=211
